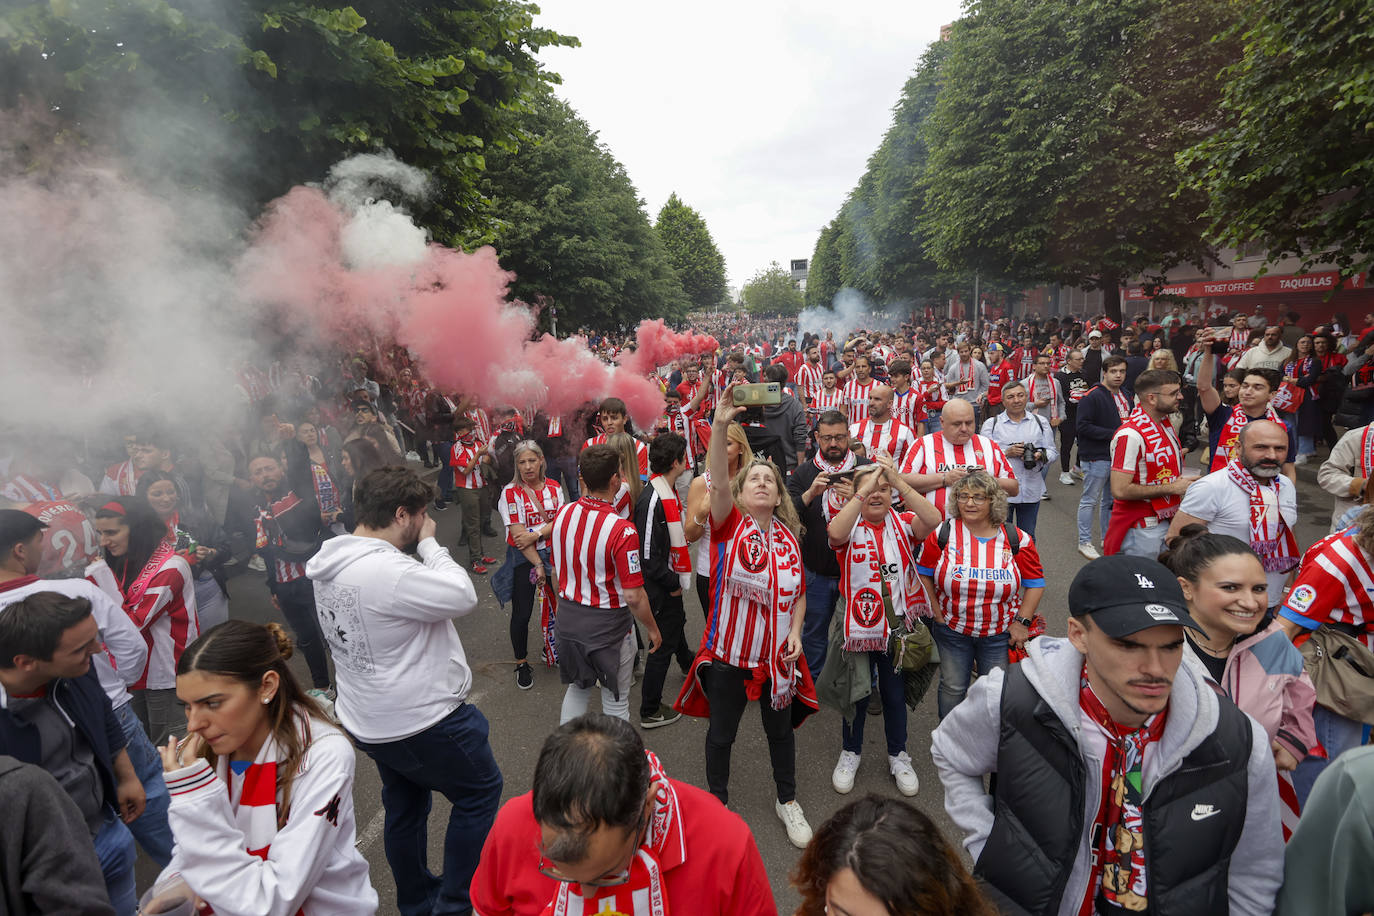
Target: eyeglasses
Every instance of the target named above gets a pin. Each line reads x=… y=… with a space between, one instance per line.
x=975 y=498
x=610 y=879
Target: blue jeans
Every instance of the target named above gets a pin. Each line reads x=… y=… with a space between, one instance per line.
x=1337 y=734
x=566 y=468
x=452 y=756
x=1145 y=542
x=1023 y=516
x=1307 y=445
x=957 y=655
x=1096 y=475
x=151 y=829
x=892 y=694
x=821 y=594
x=933 y=422
x=114 y=847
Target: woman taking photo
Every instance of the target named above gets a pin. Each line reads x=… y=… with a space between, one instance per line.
x=324 y=473
x=877 y=553
x=528 y=505
x=984 y=582
x=262 y=788
x=1257 y=667
x=882 y=857
x=201 y=542
x=752 y=644
x=737 y=454
x=159 y=595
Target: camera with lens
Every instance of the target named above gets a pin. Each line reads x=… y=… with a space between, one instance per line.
x=1028 y=456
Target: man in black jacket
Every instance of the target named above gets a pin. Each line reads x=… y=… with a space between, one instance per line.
x=814 y=484
x=282 y=523
x=54 y=714
x=1100 y=412
x=656 y=513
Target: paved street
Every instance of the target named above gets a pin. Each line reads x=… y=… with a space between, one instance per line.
x=521 y=719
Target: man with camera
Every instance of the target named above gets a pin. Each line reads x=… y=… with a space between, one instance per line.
x=1028 y=441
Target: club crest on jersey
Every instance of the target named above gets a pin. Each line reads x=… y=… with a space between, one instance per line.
x=753 y=552
x=868 y=607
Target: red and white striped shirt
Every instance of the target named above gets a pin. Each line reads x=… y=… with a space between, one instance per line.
x=533 y=510
x=978 y=583
x=641 y=452
x=892 y=436
x=934 y=454
x=595 y=554
x=808 y=381
x=465 y=456
x=1335 y=584
x=933 y=398
x=736 y=628
x=165 y=615
x=856 y=398
x=834 y=399
x=907 y=407
x=678 y=421
x=482 y=422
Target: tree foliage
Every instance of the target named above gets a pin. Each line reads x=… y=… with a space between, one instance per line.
x=574 y=230
x=252 y=96
x=1292 y=164
x=772 y=292
x=693 y=254
x=1054 y=135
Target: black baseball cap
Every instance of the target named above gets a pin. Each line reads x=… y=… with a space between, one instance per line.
x=17 y=526
x=1125 y=594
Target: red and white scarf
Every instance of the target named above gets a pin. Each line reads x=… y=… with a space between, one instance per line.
x=1035 y=381
x=1123 y=403
x=878 y=555
x=679 y=557
x=268 y=529
x=548 y=626
x=133 y=591
x=254 y=797
x=1228 y=444
x=1270 y=536
x=757 y=562
x=1367 y=452
x=832 y=503
x=1163 y=458
x=664 y=847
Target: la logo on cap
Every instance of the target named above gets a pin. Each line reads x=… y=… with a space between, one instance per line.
x=1142 y=581
x=1160 y=613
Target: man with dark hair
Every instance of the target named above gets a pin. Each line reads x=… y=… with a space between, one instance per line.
x=600 y=585
x=54 y=714
x=1148 y=480
x=1100 y=413
x=783 y=423
x=151 y=451
x=606 y=830
x=1125 y=781
x=667 y=571
x=614 y=417
x=1225 y=421
x=404 y=682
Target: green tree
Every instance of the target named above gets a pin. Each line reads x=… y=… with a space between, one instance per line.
x=772 y=292
x=823 y=279
x=253 y=96
x=573 y=228
x=693 y=254
x=1292 y=164
x=1054 y=134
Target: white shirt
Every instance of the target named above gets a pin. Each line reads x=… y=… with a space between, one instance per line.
x=388 y=620
x=1225 y=509
x=1005 y=431
x=1261 y=357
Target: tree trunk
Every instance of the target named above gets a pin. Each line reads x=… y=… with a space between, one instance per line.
x=1111 y=299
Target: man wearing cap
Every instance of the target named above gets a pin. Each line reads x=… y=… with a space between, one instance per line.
x=1093 y=356
x=1125 y=783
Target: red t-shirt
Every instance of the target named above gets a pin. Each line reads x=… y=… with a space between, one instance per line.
x=720 y=873
x=998 y=376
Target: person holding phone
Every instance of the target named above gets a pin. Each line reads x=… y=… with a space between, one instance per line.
x=751 y=649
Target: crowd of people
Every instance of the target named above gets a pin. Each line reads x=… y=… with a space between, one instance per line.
x=857 y=517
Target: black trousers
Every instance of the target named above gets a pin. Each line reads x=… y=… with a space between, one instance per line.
x=671 y=618
x=522 y=597
x=297 y=600
x=725 y=692
x=704 y=593
x=1068 y=431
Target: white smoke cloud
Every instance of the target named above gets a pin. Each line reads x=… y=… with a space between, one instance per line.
x=849 y=310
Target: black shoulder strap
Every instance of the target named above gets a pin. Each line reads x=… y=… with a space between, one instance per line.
x=1013 y=536
x=942 y=534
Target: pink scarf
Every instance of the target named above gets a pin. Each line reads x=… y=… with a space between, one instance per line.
x=878 y=555
x=1270 y=536
x=1228 y=442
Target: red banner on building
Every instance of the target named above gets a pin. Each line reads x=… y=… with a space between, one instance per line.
x=1266 y=285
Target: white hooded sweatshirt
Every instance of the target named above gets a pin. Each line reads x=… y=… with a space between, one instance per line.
x=964 y=748
x=388 y=619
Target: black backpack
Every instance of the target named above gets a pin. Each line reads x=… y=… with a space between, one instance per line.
x=1012 y=534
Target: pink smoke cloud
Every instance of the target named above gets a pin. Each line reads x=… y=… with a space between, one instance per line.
x=656 y=345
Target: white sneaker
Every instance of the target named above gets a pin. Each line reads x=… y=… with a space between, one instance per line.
x=325 y=699
x=1300 y=459
x=1066 y=479
x=412 y=455
x=900 y=767
x=1077 y=472
x=1088 y=551
x=798 y=830
x=256 y=564
x=843 y=777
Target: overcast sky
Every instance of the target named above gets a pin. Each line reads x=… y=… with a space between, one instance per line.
x=760 y=114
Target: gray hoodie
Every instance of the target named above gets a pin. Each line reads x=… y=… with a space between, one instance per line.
x=964 y=748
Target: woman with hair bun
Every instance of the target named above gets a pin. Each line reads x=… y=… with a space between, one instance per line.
x=882 y=857
x=262 y=787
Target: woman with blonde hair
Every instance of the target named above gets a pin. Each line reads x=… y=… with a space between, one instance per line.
x=695 y=519
x=528 y=506
x=630 y=484
x=984 y=582
x=262 y=788
x=1163 y=358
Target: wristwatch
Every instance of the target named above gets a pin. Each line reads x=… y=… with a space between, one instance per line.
x=1024 y=621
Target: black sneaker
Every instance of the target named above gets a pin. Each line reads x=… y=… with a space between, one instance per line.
x=665 y=715
x=439 y=505
x=524 y=676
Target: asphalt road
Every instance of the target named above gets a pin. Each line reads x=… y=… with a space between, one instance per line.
x=521 y=719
